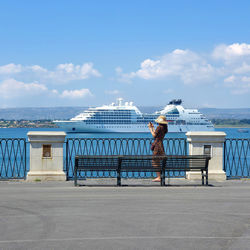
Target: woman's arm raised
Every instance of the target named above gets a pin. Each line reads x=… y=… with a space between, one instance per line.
x=152 y=129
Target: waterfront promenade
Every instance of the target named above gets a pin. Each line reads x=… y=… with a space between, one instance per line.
x=57 y=215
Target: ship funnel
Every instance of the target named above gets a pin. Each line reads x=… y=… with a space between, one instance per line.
x=131 y=103
x=119 y=100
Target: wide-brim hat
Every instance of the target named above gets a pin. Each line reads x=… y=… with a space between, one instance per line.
x=161 y=120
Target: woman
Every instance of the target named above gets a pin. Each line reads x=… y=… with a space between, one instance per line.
x=158 y=134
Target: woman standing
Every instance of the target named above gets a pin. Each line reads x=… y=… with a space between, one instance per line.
x=157 y=146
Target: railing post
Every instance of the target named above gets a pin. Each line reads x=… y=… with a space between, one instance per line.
x=67 y=166
x=46 y=156
x=119 y=171
x=163 y=169
x=224 y=155
x=208 y=143
x=25 y=159
x=75 y=171
x=185 y=147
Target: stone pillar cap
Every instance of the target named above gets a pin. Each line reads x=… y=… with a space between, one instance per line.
x=205 y=133
x=46 y=136
x=206 y=136
x=47 y=133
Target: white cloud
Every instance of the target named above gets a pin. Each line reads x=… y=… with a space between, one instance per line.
x=112 y=92
x=10 y=69
x=73 y=94
x=230 y=79
x=184 y=64
x=232 y=71
x=11 y=88
x=168 y=91
x=69 y=72
x=239 y=85
x=37 y=68
x=150 y=69
x=242 y=69
x=118 y=70
x=246 y=79
x=54 y=91
x=232 y=52
x=123 y=77
x=241 y=91
x=62 y=73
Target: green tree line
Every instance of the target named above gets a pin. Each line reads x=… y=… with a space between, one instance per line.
x=234 y=122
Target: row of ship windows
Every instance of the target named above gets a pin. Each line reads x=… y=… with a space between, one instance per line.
x=119 y=126
x=112 y=116
x=108 y=110
x=114 y=120
x=136 y=123
x=109 y=122
x=195 y=123
x=127 y=113
x=106 y=119
x=122 y=116
x=113 y=113
x=119 y=121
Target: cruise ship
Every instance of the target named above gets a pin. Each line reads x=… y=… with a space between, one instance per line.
x=125 y=117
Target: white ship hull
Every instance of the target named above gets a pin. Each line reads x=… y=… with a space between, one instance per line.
x=81 y=127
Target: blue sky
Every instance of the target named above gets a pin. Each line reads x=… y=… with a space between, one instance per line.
x=87 y=53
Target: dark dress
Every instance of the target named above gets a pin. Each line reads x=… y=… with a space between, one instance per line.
x=160 y=132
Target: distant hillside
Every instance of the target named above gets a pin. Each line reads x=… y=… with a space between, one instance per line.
x=69 y=112
x=40 y=113
x=213 y=113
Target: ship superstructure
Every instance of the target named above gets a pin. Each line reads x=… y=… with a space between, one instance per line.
x=125 y=117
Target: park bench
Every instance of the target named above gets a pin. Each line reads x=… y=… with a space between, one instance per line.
x=142 y=163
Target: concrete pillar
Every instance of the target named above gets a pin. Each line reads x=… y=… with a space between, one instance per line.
x=208 y=143
x=46 y=156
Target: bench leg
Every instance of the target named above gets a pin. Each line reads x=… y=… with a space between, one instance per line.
x=163 y=177
x=75 y=176
x=202 y=174
x=206 y=177
x=118 y=178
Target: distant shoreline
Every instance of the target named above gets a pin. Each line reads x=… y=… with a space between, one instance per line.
x=231 y=126
x=49 y=124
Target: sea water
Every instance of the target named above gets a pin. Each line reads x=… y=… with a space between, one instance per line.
x=22 y=133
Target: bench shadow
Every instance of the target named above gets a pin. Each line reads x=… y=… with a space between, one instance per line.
x=145 y=185
x=189 y=185
x=96 y=185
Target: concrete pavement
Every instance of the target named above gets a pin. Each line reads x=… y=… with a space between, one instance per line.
x=185 y=215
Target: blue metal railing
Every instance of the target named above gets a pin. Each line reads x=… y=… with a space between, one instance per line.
x=12 y=158
x=13 y=154
x=237 y=158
